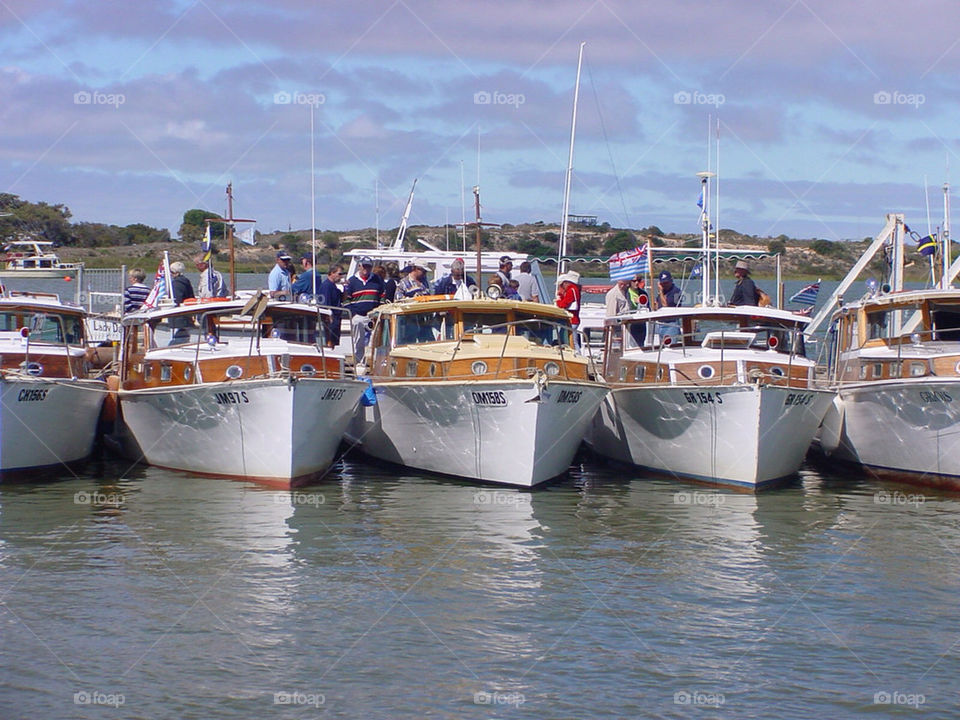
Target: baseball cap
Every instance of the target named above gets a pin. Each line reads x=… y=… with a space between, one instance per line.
x=665 y=275
x=306 y=257
x=283 y=255
x=407 y=269
x=366 y=261
x=506 y=259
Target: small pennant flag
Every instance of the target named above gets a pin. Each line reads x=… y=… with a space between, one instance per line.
x=807 y=296
x=927 y=245
x=625 y=265
x=700 y=200
x=697 y=271
x=246 y=236
x=206 y=245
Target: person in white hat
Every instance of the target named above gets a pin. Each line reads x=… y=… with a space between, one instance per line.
x=568 y=298
x=745 y=292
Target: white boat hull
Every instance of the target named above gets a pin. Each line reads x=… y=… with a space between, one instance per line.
x=745 y=436
x=47 y=422
x=270 y=431
x=506 y=432
x=908 y=426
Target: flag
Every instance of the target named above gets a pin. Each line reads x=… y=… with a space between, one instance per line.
x=697 y=271
x=927 y=245
x=807 y=296
x=700 y=200
x=624 y=265
x=246 y=236
x=160 y=289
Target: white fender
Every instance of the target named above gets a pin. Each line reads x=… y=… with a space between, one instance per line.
x=831 y=429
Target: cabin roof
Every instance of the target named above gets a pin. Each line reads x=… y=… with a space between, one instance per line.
x=415 y=307
x=227 y=307
x=715 y=313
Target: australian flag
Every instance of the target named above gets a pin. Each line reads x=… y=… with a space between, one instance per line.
x=807 y=296
x=159 y=290
x=927 y=245
x=625 y=265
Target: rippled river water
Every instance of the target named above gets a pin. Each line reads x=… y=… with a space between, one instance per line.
x=143 y=593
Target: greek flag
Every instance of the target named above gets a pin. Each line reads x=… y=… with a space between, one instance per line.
x=625 y=265
x=927 y=245
x=807 y=296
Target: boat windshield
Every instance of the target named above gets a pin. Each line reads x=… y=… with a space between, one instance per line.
x=414 y=328
x=744 y=333
x=542 y=331
x=485 y=323
x=43 y=326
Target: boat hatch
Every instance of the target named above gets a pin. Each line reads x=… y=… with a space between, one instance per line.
x=733 y=339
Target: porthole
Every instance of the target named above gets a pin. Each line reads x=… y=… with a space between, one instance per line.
x=478 y=368
x=148 y=371
x=166 y=373
x=778 y=371
x=308 y=370
x=918 y=369
x=623 y=373
x=956 y=368
x=393 y=368
x=234 y=372
x=187 y=372
x=33 y=368
x=433 y=369
x=411 y=368
x=551 y=369
x=639 y=371
x=705 y=372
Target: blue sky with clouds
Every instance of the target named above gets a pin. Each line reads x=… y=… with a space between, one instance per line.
x=831 y=113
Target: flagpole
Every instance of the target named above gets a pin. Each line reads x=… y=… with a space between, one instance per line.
x=313 y=210
x=562 y=245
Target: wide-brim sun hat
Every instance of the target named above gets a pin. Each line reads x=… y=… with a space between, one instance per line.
x=571 y=276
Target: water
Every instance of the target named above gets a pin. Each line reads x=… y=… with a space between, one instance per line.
x=133 y=592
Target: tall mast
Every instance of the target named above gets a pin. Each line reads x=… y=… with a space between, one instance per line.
x=463 y=211
x=562 y=245
x=402 y=230
x=705 y=234
x=946 y=241
x=376 y=202
x=313 y=210
x=229 y=221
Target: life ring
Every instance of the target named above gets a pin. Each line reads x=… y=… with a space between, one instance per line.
x=204 y=301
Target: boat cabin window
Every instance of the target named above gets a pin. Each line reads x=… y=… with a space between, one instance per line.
x=542 y=331
x=174 y=330
x=291 y=327
x=946 y=321
x=44 y=327
x=414 y=328
x=877 y=325
x=485 y=323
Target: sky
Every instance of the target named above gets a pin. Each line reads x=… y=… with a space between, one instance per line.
x=828 y=114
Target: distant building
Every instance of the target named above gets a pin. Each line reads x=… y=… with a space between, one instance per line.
x=582 y=219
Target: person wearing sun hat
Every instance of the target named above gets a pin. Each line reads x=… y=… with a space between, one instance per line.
x=568 y=298
x=745 y=292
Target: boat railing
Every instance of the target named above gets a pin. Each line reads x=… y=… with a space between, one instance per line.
x=538 y=322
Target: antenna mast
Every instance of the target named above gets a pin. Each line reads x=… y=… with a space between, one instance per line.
x=562 y=245
x=402 y=230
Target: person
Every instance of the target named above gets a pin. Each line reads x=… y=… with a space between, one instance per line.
x=668 y=295
x=617 y=302
x=136 y=293
x=636 y=294
x=363 y=292
x=279 y=283
x=305 y=281
x=449 y=284
x=568 y=298
x=415 y=283
x=512 y=290
x=745 y=291
x=495 y=279
x=528 y=283
x=211 y=282
x=182 y=287
x=182 y=290
x=329 y=294
x=392 y=280
x=506 y=265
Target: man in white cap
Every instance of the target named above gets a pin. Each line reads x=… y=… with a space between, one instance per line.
x=745 y=292
x=279 y=283
x=449 y=284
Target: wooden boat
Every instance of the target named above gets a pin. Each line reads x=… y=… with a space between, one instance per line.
x=237 y=389
x=49 y=407
x=482 y=389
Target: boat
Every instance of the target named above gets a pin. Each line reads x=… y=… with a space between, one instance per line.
x=235 y=388
x=485 y=389
x=35 y=259
x=710 y=393
x=894 y=362
x=49 y=403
